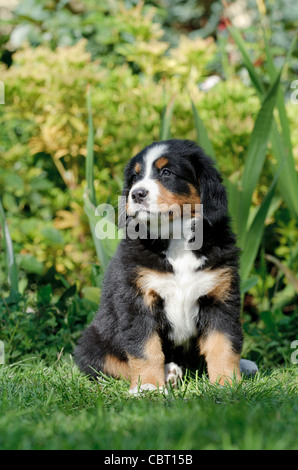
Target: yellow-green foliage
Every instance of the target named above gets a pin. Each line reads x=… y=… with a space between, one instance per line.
x=46 y=99
x=48 y=90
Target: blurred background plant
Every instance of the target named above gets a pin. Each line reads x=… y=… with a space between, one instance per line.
x=141 y=62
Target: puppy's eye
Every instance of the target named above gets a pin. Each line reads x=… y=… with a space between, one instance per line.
x=133 y=179
x=165 y=172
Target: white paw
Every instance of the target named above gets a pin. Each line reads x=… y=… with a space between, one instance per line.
x=173 y=373
x=138 y=389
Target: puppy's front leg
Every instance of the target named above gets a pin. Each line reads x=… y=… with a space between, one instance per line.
x=147 y=372
x=222 y=360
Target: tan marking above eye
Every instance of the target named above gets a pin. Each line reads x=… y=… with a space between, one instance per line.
x=161 y=162
x=137 y=167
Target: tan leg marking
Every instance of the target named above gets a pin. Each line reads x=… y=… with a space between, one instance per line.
x=150 y=368
x=222 y=361
x=116 y=368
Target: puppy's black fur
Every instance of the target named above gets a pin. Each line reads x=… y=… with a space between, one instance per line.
x=121 y=331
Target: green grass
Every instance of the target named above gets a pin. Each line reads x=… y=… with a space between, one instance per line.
x=56 y=407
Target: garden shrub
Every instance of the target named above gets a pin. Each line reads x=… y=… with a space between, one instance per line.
x=44 y=129
x=43 y=324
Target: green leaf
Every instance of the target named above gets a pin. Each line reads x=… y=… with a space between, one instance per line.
x=234 y=193
x=254 y=235
x=281 y=144
x=256 y=155
x=104 y=248
x=30 y=264
x=202 y=135
x=91 y=293
x=284 y=297
x=52 y=235
x=268 y=319
x=290 y=275
x=257 y=82
x=288 y=184
x=67 y=294
x=166 y=117
x=44 y=295
x=247 y=284
x=90 y=151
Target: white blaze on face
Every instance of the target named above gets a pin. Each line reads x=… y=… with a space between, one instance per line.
x=148 y=183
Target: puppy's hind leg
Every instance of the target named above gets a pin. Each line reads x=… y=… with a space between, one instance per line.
x=92 y=356
x=116 y=367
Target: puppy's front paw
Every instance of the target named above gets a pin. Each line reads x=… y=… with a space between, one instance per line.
x=173 y=373
x=138 y=389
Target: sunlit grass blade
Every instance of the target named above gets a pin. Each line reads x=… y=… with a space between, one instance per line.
x=10 y=257
x=234 y=199
x=253 y=236
x=101 y=252
x=256 y=155
x=166 y=117
x=288 y=183
x=90 y=151
x=289 y=274
x=280 y=102
x=257 y=82
x=281 y=145
x=247 y=284
x=202 y=135
x=104 y=247
x=282 y=142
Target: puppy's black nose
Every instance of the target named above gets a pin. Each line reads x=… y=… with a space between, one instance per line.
x=139 y=194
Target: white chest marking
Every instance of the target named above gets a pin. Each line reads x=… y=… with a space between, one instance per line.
x=182 y=294
x=181 y=289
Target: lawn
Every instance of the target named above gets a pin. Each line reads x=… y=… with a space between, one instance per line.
x=85 y=86
x=56 y=407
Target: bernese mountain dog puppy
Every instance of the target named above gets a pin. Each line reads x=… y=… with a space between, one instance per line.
x=168 y=303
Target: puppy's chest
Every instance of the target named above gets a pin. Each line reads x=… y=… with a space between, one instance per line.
x=181 y=289
x=187 y=284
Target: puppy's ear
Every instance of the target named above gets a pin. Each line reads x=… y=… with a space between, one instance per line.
x=213 y=194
